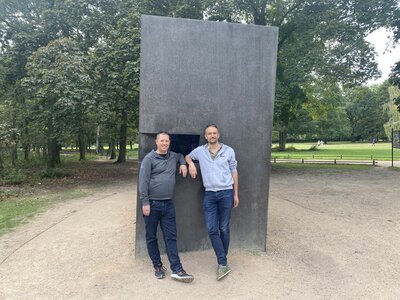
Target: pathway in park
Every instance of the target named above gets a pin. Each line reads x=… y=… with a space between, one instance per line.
x=332 y=234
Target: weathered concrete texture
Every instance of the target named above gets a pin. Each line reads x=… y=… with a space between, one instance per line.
x=198 y=72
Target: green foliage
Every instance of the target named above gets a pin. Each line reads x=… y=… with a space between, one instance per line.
x=318 y=40
x=392 y=111
x=55 y=173
x=69 y=68
x=340 y=150
x=12 y=176
x=337 y=167
x=4 y=194
x=365 y=109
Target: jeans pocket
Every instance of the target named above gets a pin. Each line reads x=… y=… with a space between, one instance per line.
x=156 y=205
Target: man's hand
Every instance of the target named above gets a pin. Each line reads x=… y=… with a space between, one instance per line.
x=183 y=170
x=146 y=210
x=235 y=201
x=192 y=170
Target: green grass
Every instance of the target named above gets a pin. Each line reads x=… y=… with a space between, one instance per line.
x=15 y=211
x=291 y=166
x=338 y=150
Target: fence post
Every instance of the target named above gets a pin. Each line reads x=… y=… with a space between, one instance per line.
x=302 y=160
x=334 y=161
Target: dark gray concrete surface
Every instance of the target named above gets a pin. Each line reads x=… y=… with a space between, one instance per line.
x=198 y=72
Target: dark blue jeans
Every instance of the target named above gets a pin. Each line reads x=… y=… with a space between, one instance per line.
x=163 y=212
x=217 y=211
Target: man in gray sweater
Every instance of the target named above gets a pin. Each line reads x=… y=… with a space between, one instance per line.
x=220 y=179
x=156 y=188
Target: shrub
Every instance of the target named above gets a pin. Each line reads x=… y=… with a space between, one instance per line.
x=313 y=148
x=4 y=194
x=12 y=176
x=55 y=173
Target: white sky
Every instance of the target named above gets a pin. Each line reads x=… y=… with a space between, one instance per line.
x=386 y=57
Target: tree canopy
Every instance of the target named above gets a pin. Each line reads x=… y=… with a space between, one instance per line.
x=69 y=70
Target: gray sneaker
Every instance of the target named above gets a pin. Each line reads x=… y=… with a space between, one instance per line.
x=159 y=271
x=223 y=271
x=182 y=276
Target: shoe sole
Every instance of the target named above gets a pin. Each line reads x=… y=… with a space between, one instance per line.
x=223 y=275
x=160 y=277
x=185 y=279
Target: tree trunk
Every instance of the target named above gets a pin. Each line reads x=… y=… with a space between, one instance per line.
x=111 y=149
x=27 y=149
x=53 y=149
x=26 y=145
x=53 y=152
x=98 y=140
x=36 y=150
x=260 y=13
x=82 y=145
x=122 y=138
x=14 y=153
x=282 y=139
x=14 y=143
x=1 y=159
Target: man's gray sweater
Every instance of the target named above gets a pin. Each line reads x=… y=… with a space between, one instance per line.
x=157 y=176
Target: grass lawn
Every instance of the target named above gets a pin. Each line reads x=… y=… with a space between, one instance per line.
x=299 y=166
x=338 y=150
x=14 y=211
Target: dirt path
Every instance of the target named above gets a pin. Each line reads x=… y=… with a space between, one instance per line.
x=332 y=234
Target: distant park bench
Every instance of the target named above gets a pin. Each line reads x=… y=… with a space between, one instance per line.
x=372 y=162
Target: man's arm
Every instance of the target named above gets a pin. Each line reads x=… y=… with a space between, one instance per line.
x=182 y=164
x=144 y=181
x=192 y=167
x=235 y=177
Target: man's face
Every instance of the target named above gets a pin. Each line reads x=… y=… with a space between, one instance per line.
x=162 y=142
x=212 y=135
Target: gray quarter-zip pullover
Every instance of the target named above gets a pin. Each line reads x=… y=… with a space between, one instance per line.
x=157 y=176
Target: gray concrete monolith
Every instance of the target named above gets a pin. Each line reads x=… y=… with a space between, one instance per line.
x=198 y=72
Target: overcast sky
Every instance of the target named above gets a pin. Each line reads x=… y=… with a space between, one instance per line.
x=385 y=57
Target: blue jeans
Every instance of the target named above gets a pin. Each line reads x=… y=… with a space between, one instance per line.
x=217 y=211
x=163 y=212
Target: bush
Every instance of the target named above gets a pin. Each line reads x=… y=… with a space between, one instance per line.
x=55 y=173
x=4 y=194
x=12 y=176
x=313 y=148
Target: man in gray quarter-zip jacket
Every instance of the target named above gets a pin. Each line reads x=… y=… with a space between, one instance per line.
x=156 y=188
x=220 y=179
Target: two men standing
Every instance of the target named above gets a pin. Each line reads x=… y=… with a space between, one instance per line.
x=156 y=184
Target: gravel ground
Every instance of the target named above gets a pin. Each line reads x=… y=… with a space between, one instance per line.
x=332 y=234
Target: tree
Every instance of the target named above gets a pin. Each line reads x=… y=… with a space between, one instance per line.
x=392 y=110
x=59 y=85
x=317 y=39
x=366 y=111
x=115 y=64
x=323 y=116
x=394 y=77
